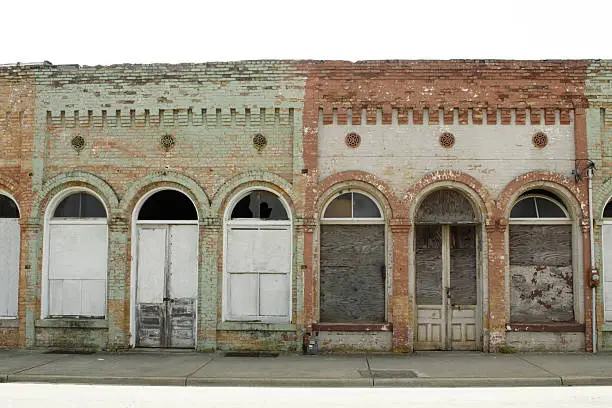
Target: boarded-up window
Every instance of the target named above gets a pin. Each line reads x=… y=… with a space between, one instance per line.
x=258 y=260
x=606 y=239
x=445 y=207
x=352 y=261
x=77 y=265
x=9 y=256
x=541 y=273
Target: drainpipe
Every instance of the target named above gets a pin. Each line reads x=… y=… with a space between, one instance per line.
x=594 y=311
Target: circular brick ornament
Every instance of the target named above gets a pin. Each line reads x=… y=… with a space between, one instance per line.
x=167 y=142
x=447 y=140
x=352 y=140
x=78 y=143
x=540 y=140
x=259 y=141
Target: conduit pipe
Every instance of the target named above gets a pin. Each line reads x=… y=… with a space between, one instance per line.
x=592 y=244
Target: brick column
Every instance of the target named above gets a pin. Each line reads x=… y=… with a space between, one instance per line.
x=402 y=310
x=29 y=280
x=118 y=284
x=305 y=232
x=210 y=278
x=495 y=321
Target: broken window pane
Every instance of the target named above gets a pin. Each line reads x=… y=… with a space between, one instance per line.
x=548 y=209
x=80 y=205
x=524 y=209
x=8 y=208
x=260 y=204
x=364 y=207
x=168 y=205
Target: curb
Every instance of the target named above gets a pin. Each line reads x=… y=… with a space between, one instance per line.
x=468 y=382
x=586 y=380
x=71 y=379
x=280 y=382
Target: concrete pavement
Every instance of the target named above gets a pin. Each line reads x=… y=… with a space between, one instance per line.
x=423 y=369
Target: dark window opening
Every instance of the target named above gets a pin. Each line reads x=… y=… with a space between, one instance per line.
x=168 y=205
x=80 y=205
x=260 y=204
x=8 y=208
x=608 y=210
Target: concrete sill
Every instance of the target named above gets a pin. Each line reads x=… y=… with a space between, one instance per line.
x=256 y=326
x=354 y=327
x=72 y=323
x=9 y=323
x=546 y=327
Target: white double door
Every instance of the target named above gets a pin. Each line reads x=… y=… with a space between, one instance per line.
x=446 y=288
x=167 y=285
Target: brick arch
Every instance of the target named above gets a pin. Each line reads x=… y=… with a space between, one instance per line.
x=253 y=179
x=170 y=179
x=75 y=178
x=471 y=187
x=568 y=191
x=9 y=185
x=368 y=182
x=601 y=197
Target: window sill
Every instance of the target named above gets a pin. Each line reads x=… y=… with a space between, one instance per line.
x=546 y=327
x=73 y=323
x=255 y=326
x=354 y=327
x=9 y=323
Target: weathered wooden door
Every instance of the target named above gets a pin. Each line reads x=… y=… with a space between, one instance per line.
x=166 y=288
x=446 y=287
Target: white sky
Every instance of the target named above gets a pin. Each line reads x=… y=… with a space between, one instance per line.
x=136 y=31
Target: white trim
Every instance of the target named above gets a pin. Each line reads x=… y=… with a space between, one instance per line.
x=134 y=256
x=352 y=218
x=255 y=223
x=49 y=220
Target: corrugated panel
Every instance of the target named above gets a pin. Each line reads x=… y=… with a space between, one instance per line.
x=463 y=265
x=445 y=207
x=352 y=273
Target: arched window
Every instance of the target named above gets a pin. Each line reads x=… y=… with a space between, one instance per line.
x=608 y=210
x=77 y=257
x=9 y=256
x=541 y=271
x=257 y=279
x=352 y=260
x=168 y=205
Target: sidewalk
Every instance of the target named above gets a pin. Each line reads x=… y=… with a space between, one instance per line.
x=424 y=369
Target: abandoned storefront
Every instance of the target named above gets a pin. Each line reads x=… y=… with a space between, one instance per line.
x=260 y=205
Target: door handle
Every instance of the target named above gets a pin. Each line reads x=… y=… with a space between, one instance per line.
x=448 y=293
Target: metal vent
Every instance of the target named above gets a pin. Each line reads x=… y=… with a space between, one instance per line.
x=540 y=140
x=447 y=140
x=352 y=140
x=167 y=142
x=259 y=141
x=78 y=143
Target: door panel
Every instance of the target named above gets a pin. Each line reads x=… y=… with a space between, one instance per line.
x=167 y=285
x=446 y=287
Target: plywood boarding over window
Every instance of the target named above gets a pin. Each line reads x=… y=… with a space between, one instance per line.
x=352 y=273
x=541 y=274
x=9 y=266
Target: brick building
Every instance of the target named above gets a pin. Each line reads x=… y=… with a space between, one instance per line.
x=381 y=205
